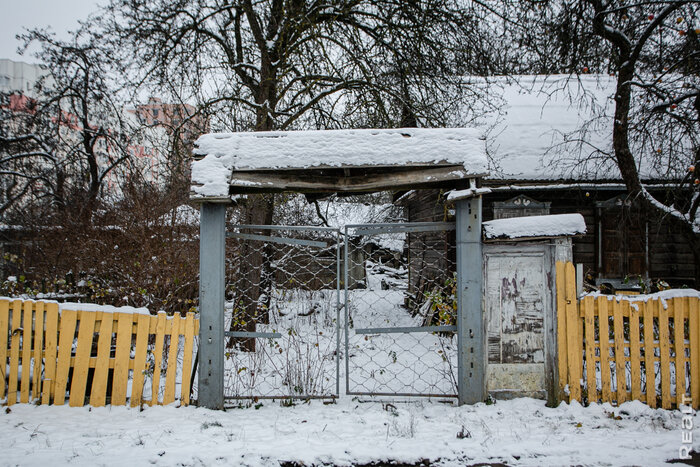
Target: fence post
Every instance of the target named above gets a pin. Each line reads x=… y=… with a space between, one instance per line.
x=471 y=363
x=212 y=238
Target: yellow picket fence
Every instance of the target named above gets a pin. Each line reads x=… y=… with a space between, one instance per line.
x=93 y=357
x=615 y=349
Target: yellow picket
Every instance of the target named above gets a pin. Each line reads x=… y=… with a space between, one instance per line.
x=679 y=307
x=158 y=357
x=98 y=392
x=4 y=330
x=121 y=358
x=16 y=330
x=169 y=393
x=665 y=352
x=573 y=337
x=694 y=328
x=26 y=345
x=562 y=349
x=618 y=330
x=588 y=306
x=604 y=339
x=86 y=332
x=649 y=359
x=50 y=354
x=65 y=346
x=187 y=360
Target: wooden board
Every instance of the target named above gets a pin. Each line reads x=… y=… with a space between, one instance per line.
x=16 y=331
x=562 y=349
x=187 y=360
x=649 y=346
x=122 y=356
x=86 y=332
x=4 y=331
x=588 y=305
x=604 y=339
x=50 y=355
x=98 y=392
x=694 y=330
x=618 y=329
x=679 y=307
x=573 y=338
x=664 y=348
x=26 y=334
x=140 y=356
x=635 y=353
x=65 y=344
x=169 y=393
x=158 y=357
x=38 y=350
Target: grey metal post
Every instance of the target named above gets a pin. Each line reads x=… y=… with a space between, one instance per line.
x=471 y=355
x=212 y=240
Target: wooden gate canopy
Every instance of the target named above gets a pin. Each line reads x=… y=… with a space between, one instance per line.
x=327 y=161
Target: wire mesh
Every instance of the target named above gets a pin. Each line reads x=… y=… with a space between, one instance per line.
x=282 y=312
x=400 y=314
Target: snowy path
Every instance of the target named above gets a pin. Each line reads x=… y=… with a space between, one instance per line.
x=520 y=432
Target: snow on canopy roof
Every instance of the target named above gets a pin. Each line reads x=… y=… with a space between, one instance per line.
x=528 y=137
x=225 y=153
x=558 y=225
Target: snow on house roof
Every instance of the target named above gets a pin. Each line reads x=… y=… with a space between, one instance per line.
x=223 y=154
x=536 y=135
x=558 y=225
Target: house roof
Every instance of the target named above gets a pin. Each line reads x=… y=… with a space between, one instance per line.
x=334 y=160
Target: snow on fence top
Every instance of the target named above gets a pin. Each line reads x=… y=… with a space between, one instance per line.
x=558 y=225
x=223 y=154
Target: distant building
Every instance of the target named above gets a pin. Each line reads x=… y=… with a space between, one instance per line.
x=20 y=77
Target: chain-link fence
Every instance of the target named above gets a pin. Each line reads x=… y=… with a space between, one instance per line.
x=400 y=313
x=282 y=313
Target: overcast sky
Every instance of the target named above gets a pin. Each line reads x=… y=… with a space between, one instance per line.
x=60 y=15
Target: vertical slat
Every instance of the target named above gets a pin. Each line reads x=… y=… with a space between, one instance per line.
x=588 y=305
x=187 y=360
x=16 y=330
x=98 y=392
x=562 y=349
x=694 y=325
x=169 y=394
x=573 y=338
x=635 y=354
x=86 y=332
x=49 y=384
x=664 y=349
x=38 y=349
x=65 y=344
x=679 y=307
x=4 y=331
x=604 y=332
x=140 y=355
x=158 y=357
x=121 y=358
x=26 y=351
x=649 y=347
x=618 y=329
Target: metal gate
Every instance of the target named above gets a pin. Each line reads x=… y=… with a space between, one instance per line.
x=282 y=318
x=400 y=310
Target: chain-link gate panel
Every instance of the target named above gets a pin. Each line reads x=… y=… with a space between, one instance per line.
x=282 y=313
x=400 y=312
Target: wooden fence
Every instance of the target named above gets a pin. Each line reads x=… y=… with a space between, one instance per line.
x=615 y=349
x=93 y=357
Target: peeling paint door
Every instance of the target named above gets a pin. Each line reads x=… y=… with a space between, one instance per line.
x=516 y=309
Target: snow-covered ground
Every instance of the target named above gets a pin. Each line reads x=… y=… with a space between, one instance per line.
x=351 y=432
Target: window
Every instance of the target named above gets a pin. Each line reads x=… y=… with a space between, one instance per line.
x=520 y=206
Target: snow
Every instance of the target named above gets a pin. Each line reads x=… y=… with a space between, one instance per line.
x=663 y=295
x=517 y=432
x=535 y=226
x=88 y=306
x=225 y=153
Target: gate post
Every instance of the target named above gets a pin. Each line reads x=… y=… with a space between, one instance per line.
x=471 y=354
x=212 y=241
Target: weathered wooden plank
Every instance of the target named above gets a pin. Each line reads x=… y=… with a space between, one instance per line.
x=680 y=305
x=86 y=332
x=140 y=356
x=635 y=353
x=49 y=384
x=618 y=329
x=187 y=360
x=665 y=352
x=65 y=344
x=169 y=393
x=573 y=338
x=98 y=392
x=562 y=349
x=38 y=349
x=588 y=305
x=604 y=336
x=649 y=347
x=4 y=331
x=158 y=357
x=122 y=356
x=694 y=329
x=16 y=331
x=26 y=350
